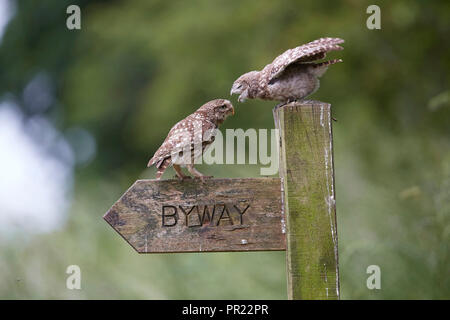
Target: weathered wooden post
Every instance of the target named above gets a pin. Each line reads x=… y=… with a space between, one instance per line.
x=295 y=212
x=306 y=169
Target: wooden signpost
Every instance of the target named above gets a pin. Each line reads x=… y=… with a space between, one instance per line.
x=295 y=212
x=219 y=215
x=306 y=168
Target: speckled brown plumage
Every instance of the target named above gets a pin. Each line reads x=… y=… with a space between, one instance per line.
x=188 y=139
x=293 y=75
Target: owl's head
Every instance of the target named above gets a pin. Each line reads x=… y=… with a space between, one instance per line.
x=217 y=110
x=242 y=85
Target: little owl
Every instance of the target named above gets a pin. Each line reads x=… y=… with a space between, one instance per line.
x=188 y=139
x=293 y=75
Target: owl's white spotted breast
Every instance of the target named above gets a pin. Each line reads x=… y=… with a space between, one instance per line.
x=189 y=131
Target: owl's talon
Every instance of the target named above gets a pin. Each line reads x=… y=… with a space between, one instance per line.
x=182 y=178
x=203 y=178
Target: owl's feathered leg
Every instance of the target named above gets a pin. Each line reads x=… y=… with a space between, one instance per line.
x=292 y=100
x=180 y=174
x=281 y=104
x=284 y=103
x=197 y=173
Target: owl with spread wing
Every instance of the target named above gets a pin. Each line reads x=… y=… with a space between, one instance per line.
x=189 y=138
x=293 y=75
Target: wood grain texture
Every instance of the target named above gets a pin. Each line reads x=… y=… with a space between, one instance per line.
x=219 y=215
x=306 y=169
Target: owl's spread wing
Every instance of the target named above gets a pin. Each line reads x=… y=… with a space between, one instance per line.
x=311 y=51
x=183 y=136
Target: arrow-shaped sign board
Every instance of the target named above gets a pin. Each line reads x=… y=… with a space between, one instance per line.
x=157 y=216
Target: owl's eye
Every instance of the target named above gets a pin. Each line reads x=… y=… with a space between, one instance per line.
x=223 y=107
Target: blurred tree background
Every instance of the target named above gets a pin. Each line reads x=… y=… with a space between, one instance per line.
x=137 y=67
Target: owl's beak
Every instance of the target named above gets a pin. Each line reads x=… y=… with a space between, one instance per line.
x=234 y=89
x=232 y=110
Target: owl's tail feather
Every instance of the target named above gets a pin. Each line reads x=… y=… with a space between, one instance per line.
x=321 y=67
x=151 y=162
x=162 y=166
x=156 y=161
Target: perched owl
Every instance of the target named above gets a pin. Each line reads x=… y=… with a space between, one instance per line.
x=293 y=75
x=188 y=139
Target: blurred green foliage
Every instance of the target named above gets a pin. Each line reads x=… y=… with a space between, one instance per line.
x=137 y=67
